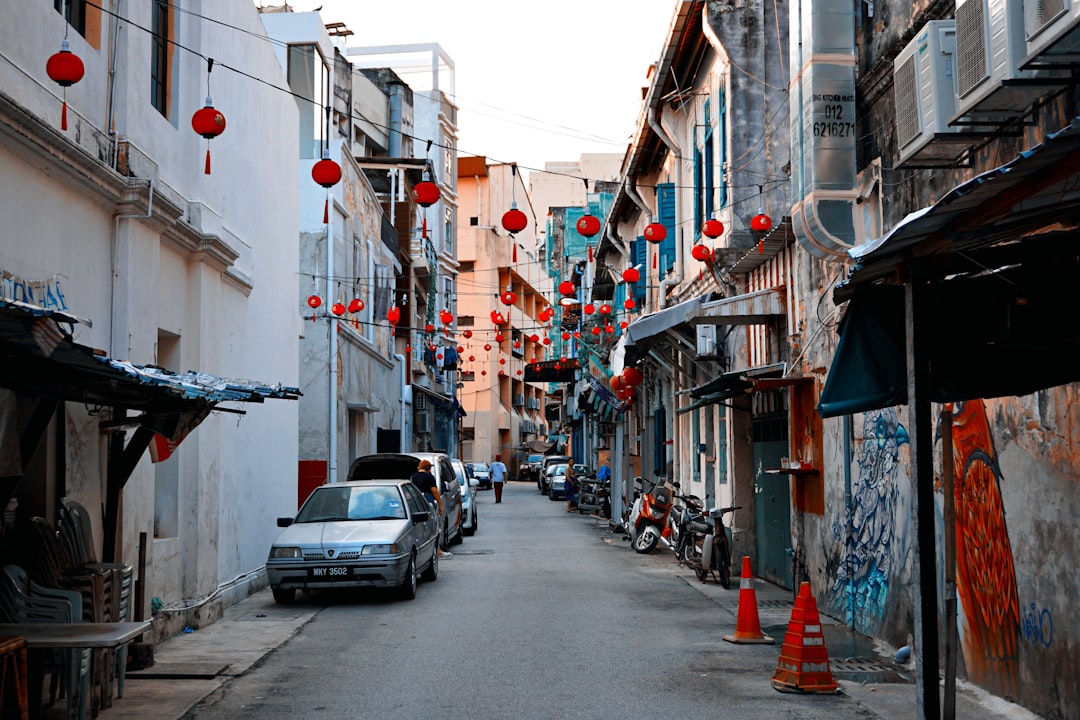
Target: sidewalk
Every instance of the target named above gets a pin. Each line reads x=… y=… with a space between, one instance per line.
x=190 y=666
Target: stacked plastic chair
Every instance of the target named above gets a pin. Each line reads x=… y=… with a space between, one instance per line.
x=23 y=601
x=76 y=536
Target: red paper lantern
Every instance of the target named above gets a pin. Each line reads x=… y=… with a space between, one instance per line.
x=209 y=123
x=338 y=309
x=513 y=220
x=498 y=337
x=588 y=225
x=577 y=335
x=517 y=343
x=483 y=372
x=446 y=317
x=429 y=328
x=460 y=349
x=425 y=192
x=64 y=68
x=609 y=329
x=567 y=288
x=631 y=393
x=356 y=305
x=596 y=330
x=761 y=223
x=393 y=315
x=497 y=317
x=519 y=371
x=632 y=376
x=655 y=232
x=566 y=336
x=467 y=334
x=326 y=172
x=502 y=373
x=509 y=297
x=472 y=358
x=502 y=361
x=605 y=309
x=589 y=309
x=534 y=338
x=701 y=252
x=623 y=324
x=713 y=228
x=487 y=346
x=616 y=383
x=629 y=304
x=547 y=341
x=546 y=314
x=314 y=301
x=631 y=275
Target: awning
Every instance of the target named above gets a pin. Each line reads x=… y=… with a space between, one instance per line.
x=731 y=385
x=644 y=331
x=746 y=309
x=996 y=262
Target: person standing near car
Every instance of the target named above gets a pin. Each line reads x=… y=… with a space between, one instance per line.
x=498 y=476
x=570 y=486
x=426 y=483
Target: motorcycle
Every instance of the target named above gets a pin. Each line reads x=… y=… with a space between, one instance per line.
x=648 y=521
x=687 y=507
x=707 y=545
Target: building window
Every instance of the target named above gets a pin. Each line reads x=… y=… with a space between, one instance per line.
x=160 y=58
x=74 y=11
x=307 y=79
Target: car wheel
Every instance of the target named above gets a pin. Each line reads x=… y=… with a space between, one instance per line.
x=431 y=572
x=552 y=496
x=471 y=530
x=407 y=589
x=444 y=537
x=459 y=536
x=283 y=596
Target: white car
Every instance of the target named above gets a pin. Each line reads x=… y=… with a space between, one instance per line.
x=482 y=472
x=468 y=496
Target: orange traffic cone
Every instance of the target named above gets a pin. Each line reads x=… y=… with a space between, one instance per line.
x=748 y=625
x=804 y=663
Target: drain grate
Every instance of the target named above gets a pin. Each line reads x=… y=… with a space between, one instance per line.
x=866 y=670
x=774 y=604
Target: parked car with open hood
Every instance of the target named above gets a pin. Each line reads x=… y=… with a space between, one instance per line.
x=378 y=533
x=401 y=466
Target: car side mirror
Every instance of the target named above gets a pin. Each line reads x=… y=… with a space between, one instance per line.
x=284 y=522
x=473 y=482
x=421 y=517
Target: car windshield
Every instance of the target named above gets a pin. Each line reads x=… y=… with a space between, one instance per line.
x=557 y=469
x=336 y=504
x=535 y=458
x=480 y=467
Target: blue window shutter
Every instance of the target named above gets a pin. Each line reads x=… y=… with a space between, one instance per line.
x=640 y=258
x=700 y=182
x=665 y=201
x=721 y=140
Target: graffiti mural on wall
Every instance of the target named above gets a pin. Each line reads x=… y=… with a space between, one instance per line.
x=989 y=622
x=861 y=588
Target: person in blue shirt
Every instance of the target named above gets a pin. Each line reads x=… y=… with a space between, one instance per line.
x=604 y=473
x=498 y=476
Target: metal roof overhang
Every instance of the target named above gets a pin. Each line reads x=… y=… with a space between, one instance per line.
x=999 y=259
x=740 y=382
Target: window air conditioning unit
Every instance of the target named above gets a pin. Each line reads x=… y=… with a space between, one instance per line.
x=1052 y=30
x=532 y=403
x=990 y=50
x=519 y=400
x=706 y=341
x=924 y=84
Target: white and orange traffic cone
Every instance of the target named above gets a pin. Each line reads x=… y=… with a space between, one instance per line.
x=748 y=624
x=803 y=665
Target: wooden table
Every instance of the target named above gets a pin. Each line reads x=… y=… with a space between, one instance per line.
x=69 y=636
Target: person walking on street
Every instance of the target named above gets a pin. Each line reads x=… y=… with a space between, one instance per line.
x=426 y=483
x=498 y=476
x=570 y=486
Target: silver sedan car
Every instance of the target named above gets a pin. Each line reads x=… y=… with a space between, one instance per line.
x=356 y=534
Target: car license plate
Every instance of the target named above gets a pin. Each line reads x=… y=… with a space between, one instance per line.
x=329 y=573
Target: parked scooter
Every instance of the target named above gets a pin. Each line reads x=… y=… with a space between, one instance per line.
x=707 y=546
x=683 y=513
x=649 y=515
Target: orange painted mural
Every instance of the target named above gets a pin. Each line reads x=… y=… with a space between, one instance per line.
x=989 y=622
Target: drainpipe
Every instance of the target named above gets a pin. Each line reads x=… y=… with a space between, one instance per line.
x=333 y=345
x=404 y=386
x=633 y=194
x=393 y=191
x=394 y=141
x=616 y=242
x=656 y=123
x=824 y=169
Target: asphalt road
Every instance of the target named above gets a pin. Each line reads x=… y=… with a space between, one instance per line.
x=542 y=614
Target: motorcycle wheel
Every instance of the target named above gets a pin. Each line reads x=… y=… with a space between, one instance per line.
x=702 y=573
x=723 y=566
x=645 y=542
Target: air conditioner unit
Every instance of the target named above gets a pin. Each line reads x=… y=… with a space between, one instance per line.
x=990 y=49
x=924 y=85
x=532 y=403
x=423 y=423
x=519 y=400
x=1052 y=30
x=706 y=341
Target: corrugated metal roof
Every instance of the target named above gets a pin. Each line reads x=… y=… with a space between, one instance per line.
x=41 y=358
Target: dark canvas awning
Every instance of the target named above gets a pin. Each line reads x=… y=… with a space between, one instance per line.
x=733 y=384
x=646 y=330
x=998 y=261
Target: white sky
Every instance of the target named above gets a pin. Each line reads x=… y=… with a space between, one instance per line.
x=535 y=82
